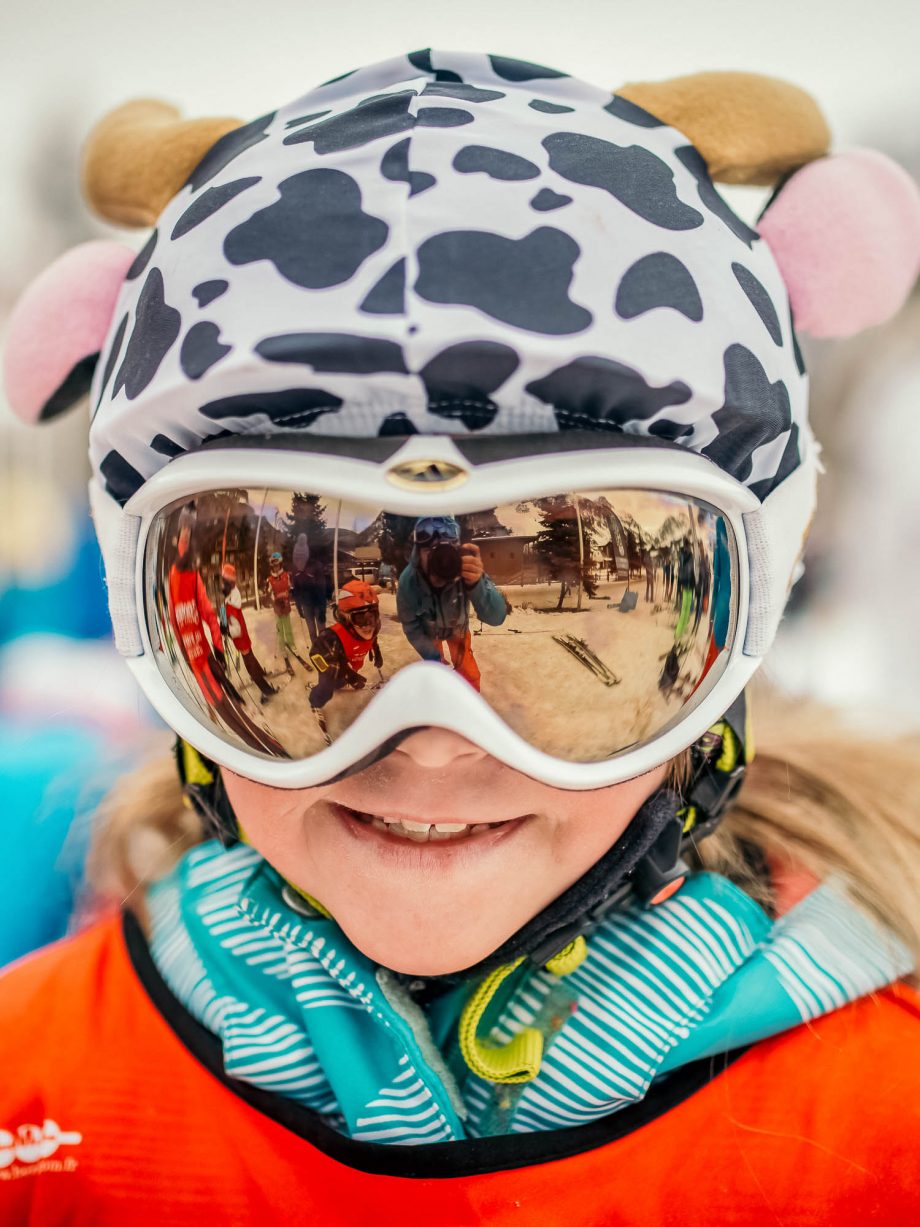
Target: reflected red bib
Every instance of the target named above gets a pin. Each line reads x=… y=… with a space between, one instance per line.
x=186 y=617
x=356 y=648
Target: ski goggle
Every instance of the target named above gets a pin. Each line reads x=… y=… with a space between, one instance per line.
x=430 y=530
x=366 y=618
x=597 y=627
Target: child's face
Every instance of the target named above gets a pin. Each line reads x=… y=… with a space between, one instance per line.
x=428 y=908
x=365 y=623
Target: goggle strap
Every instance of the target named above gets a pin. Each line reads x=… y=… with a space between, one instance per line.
x=716 y=780
x=713 y=787
x=203 y=789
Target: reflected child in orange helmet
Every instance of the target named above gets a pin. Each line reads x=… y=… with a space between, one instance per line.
x=340 y=650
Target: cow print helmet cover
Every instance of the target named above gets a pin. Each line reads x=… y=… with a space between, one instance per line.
x=453 y=243
x=481 y=246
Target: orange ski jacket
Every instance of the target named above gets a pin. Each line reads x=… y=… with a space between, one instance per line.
x=114 y=1110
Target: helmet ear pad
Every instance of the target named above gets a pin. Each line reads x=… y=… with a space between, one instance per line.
x=58 y=328
x=845 y=232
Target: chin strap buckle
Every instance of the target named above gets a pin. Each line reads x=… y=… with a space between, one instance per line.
x=662 y=871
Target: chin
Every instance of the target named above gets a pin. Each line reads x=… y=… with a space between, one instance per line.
x=425 y=958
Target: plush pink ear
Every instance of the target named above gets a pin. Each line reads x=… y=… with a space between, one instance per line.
x=845 y=232
x=58 y=326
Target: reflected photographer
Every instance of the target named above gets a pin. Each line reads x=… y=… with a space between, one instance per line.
x=443 y=578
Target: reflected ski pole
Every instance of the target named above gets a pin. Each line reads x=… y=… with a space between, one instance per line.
x=323 y=728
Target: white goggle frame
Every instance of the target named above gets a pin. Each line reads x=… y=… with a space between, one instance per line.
x=426 y=694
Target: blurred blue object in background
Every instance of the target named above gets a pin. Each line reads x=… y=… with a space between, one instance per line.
x=51 y=779
x=72 y=602
x=71 y=717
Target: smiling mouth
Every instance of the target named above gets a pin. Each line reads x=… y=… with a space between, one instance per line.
x=428 y=832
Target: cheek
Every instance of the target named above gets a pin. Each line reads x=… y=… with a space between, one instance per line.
x=271 y=818
x=587 y=824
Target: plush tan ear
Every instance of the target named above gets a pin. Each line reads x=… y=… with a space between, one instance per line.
x=748 y=128
x=139 y=155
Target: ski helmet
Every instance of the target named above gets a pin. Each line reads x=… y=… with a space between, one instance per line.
x=358 y=607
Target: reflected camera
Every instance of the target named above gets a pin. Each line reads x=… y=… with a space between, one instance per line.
x=445 y=562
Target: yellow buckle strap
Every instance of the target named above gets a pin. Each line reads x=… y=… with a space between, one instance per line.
x=731 y=748
x=193 y=766
x=194 y=770
x=749 y=746
x=568 y=959
x=518 y=1061
x=689 y=815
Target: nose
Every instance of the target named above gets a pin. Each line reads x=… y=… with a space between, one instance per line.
x=433 y=748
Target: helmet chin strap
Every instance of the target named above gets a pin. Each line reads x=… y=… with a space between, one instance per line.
x=646 y=864
x=578 y=910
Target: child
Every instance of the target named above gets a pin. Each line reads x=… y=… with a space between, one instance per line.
x=449 y=968
x=341 y=649
x=278 y=588
x=239 y=634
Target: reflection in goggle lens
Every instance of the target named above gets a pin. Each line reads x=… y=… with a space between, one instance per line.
x=588 y=621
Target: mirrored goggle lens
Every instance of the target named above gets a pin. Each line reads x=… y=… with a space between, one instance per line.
x=588 y=621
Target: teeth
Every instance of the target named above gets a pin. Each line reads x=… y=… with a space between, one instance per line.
x=419 y=837
x=423 y=832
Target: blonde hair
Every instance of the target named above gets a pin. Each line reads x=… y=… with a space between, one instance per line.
x=817 y=798
x=141 y=829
